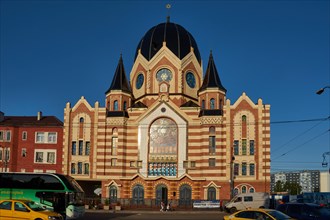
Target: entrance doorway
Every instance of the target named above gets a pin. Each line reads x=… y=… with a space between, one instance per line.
x=161 y=194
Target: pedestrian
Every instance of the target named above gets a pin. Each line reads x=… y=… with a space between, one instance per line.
x=162 y=206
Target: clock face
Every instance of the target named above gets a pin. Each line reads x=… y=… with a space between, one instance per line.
x=190 y=78
x=139 y=81
x=164 y=75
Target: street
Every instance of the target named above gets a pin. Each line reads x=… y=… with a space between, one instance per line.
x=139 y=215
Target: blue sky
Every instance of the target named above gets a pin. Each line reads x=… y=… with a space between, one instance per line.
x=54 y=52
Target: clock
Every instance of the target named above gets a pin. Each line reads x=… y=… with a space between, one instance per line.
x=139 y=81
x=164 y=75
x=190 y=79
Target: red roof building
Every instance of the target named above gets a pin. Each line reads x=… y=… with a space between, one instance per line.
x=31 y=143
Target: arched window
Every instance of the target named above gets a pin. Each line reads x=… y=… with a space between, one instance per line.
x=244 y=118
x=211 y=194
x=212 y=103
x=236 y=191
x=251 y=190
x=203 y=104
x=212 y=145
x=113 y=194
x=81 y=120
x=115 y=131
x=220 y=104
x=212 y=130
x=124 y=106
x=243 y=189
x=115 y=105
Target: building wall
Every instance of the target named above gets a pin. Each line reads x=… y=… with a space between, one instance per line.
x=24 y=152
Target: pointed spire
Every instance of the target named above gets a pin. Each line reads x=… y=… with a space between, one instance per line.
x=211 y=78
x=119 y=81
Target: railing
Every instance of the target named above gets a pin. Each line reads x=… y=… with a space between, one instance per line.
x=146 y=204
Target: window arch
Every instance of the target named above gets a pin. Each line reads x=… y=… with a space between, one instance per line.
x=115 y=105
x=244 y=118
x=212 y=103
x=252 y=190
x=211 y=194
x=81 y=120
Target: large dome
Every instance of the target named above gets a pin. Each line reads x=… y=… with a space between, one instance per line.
x=177 y=39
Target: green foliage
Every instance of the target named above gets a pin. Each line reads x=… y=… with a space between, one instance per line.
x=291 y=188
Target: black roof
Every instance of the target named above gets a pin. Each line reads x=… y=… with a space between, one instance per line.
x=31 y=121
x=177 y=39
x=119 y=81
x=189 y=104
x=211 y=78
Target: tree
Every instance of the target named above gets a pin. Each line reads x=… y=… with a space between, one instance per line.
x=278 y=186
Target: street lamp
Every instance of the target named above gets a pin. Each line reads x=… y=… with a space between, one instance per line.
x=320 y=91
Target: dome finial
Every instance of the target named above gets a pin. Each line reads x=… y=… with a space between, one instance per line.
x=168 y=6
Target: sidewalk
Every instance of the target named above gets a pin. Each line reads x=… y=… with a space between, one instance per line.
x=155 y=211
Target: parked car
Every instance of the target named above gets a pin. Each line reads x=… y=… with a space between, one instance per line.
x=260 y=214
x=25 y=209
x=305 y=211
x=248 y=200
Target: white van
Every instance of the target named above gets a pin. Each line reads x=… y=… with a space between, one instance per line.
x=248 y=200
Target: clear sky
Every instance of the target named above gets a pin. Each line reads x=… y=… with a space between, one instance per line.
x=53 y=52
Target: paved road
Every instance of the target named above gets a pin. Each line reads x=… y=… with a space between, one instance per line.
x=154 y=215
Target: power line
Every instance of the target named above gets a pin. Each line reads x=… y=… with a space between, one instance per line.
x=299 y=135
x=302 y=144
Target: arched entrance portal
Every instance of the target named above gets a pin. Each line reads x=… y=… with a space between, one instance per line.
x=185 y=195
x=138 y=195
x=161 y=194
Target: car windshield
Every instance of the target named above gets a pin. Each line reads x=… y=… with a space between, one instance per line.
x=34 y=206
x=278 y=215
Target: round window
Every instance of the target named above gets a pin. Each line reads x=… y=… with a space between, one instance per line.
x=190 y=78
x=164 y=75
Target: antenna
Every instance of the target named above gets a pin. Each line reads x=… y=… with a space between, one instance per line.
x=168 y=6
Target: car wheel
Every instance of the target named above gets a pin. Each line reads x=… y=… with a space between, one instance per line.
x=232 y=210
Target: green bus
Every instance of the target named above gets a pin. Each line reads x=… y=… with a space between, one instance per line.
x=57 y=192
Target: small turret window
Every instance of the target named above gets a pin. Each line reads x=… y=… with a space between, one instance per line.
x=115 y=105
x=203 y=104
x=212 y=103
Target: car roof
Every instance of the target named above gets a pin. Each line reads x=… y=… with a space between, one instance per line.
x=16 y=200
x=257 y=209
x=300 y=203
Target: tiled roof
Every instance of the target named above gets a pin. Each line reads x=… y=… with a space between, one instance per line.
x=189 y=104
x=211 y=78
x=30 y=121
x=119 y=81
x=177 y=39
